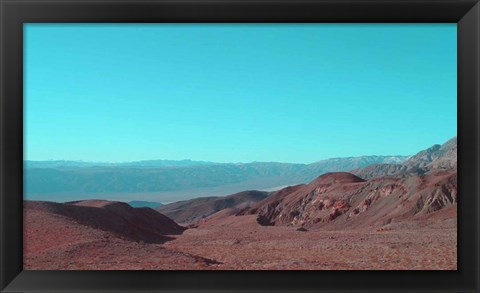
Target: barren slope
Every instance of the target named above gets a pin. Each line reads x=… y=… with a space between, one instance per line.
x=80 y=236
x=193 y=210
x=137 y=224
x=239 y=243
x=435 y=158
x=344 y=201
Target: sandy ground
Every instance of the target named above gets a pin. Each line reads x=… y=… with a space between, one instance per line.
x=240 y=244
x=53 y=242
x=237 y=243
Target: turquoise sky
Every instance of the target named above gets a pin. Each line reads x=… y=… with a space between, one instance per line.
x=237 y=92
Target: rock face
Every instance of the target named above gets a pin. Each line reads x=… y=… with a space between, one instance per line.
x=138 y=224
x=445 y=157
x=434 y=159
x=437 y=157
x=190 y=211
x=380 y=170
x=303 y=205
x=345 y=201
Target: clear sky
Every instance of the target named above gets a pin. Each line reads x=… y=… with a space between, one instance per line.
x=237 y=92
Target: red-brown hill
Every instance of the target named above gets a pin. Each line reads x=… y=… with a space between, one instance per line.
x=139 y=224
x=190 y=211
x=101 y=235
x=345 y=201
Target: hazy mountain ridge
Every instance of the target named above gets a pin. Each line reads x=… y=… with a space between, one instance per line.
x=108 y=179
x=435 y=158
x=144 y=163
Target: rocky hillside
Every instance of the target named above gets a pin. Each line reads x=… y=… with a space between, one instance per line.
x=435 y=158
x=379 y=195
x=345 y=201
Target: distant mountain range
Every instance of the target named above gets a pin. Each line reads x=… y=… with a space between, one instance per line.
x=48 y=179
x=143 y=164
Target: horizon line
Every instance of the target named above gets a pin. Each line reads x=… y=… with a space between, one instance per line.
x=231 y=162
x=204 y=161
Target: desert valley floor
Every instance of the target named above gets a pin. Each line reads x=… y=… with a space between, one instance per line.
x=241 y=243
x=275 y=248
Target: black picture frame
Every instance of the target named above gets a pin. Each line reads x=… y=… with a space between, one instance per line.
x=14 y=13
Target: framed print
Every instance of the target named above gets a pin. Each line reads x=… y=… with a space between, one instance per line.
x=239 y=146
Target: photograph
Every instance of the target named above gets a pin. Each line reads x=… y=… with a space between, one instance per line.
x=240 y=146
